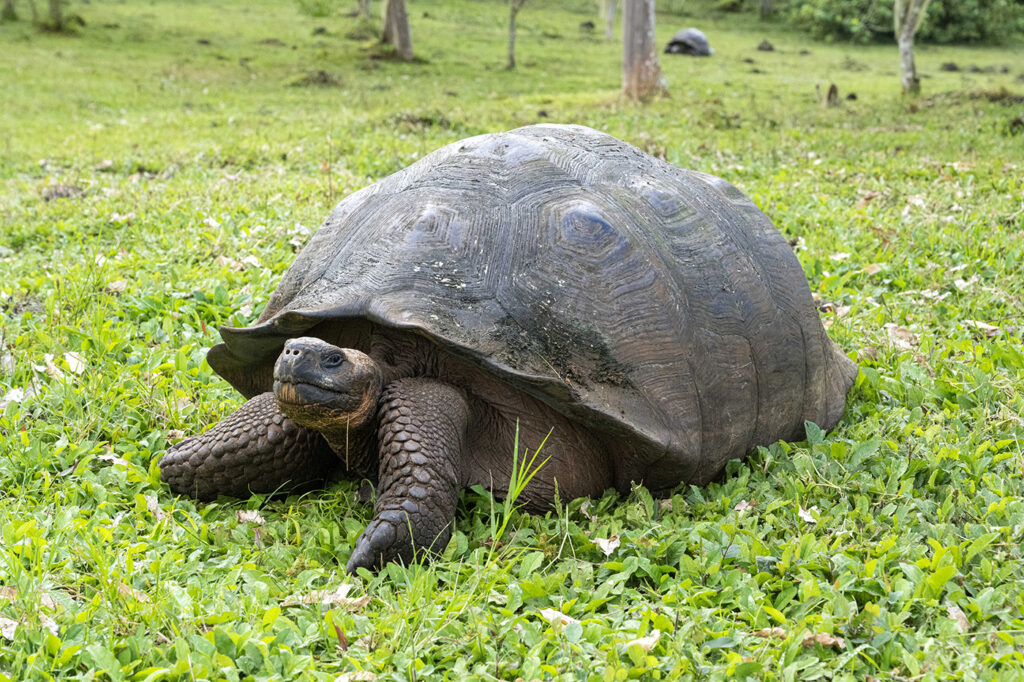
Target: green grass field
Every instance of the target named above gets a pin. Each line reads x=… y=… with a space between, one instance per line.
x=201 y=144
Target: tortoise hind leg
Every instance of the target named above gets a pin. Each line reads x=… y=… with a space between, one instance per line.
x=422 y=428
x=256 y=449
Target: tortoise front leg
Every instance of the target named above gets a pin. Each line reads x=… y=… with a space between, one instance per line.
x=256 y=449
x=422 y=428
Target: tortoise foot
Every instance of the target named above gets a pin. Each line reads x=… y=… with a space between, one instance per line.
x=422 y=425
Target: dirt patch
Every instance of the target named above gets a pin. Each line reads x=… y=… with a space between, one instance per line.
x=52 y=192
x=1000 y=96
x=420 y=121
x=317 y=79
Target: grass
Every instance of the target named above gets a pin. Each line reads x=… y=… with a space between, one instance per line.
x=198 y=169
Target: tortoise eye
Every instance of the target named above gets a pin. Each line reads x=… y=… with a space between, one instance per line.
x=334 y=359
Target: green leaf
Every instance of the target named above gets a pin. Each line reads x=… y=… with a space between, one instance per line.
x=938 y=579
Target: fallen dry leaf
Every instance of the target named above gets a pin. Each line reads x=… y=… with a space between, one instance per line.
x=965 y=284
x=253 y=516
x=872 y=269
x=841 y=256
x=745 y=505
x=771 y=633
x=114 y=459
x=122 y=218
x=104 y=165
x=127 y=591
x=16 y=395
x=76 y=363
x=336 y=597
x=958 y=616
x=49 y=368
x=607 y=545
x=868 y=353
x=556 y=617
x=585 y=510
x=117 y=287
x=646 y=643
x=8 y=627
x=358 y=676
x=987 y=329
x=933 y=295
x=866 y=198
x=50 y=624
x=665 y=506
x=805 y=514
x=824 y=639
x=10 y=593
x=901 y=337
x=153 y=507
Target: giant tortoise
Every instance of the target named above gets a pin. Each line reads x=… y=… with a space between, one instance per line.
x=548 y=279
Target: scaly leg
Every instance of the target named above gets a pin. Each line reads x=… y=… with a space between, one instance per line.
x=256 y=449
x=422 y=428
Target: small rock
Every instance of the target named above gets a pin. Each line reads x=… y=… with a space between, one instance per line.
x=765 y=46
x=949 y=66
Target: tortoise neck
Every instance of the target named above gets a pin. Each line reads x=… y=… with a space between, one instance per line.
x=355 y=447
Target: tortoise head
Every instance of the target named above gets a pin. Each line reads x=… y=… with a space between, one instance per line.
x=323 y=387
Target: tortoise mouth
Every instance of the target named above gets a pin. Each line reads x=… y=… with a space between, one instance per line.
x=294 y=392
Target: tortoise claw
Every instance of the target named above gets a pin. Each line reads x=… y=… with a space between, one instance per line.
x=382 y=541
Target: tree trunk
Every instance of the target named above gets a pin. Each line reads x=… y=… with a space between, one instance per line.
x=641 y=73
x=907 y=17
x=385 y=13
x=513 y=9
x=609 y=19
x=396 y=28
x=767 y=8
x=364 y=9
x=56 y=15
x=8 y=13
x=908 y=71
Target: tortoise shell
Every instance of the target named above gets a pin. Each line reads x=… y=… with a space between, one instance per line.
x=656 y=304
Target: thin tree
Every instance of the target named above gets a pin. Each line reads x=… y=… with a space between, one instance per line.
x=641 y=72
x=513 y=9
x=609 y=19
x=767 y=8
x=56 y=15
x=907 y=18
x=363 y=11
x=8 y=13
x=396 y=28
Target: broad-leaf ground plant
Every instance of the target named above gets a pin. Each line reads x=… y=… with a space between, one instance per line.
x=159 y=169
